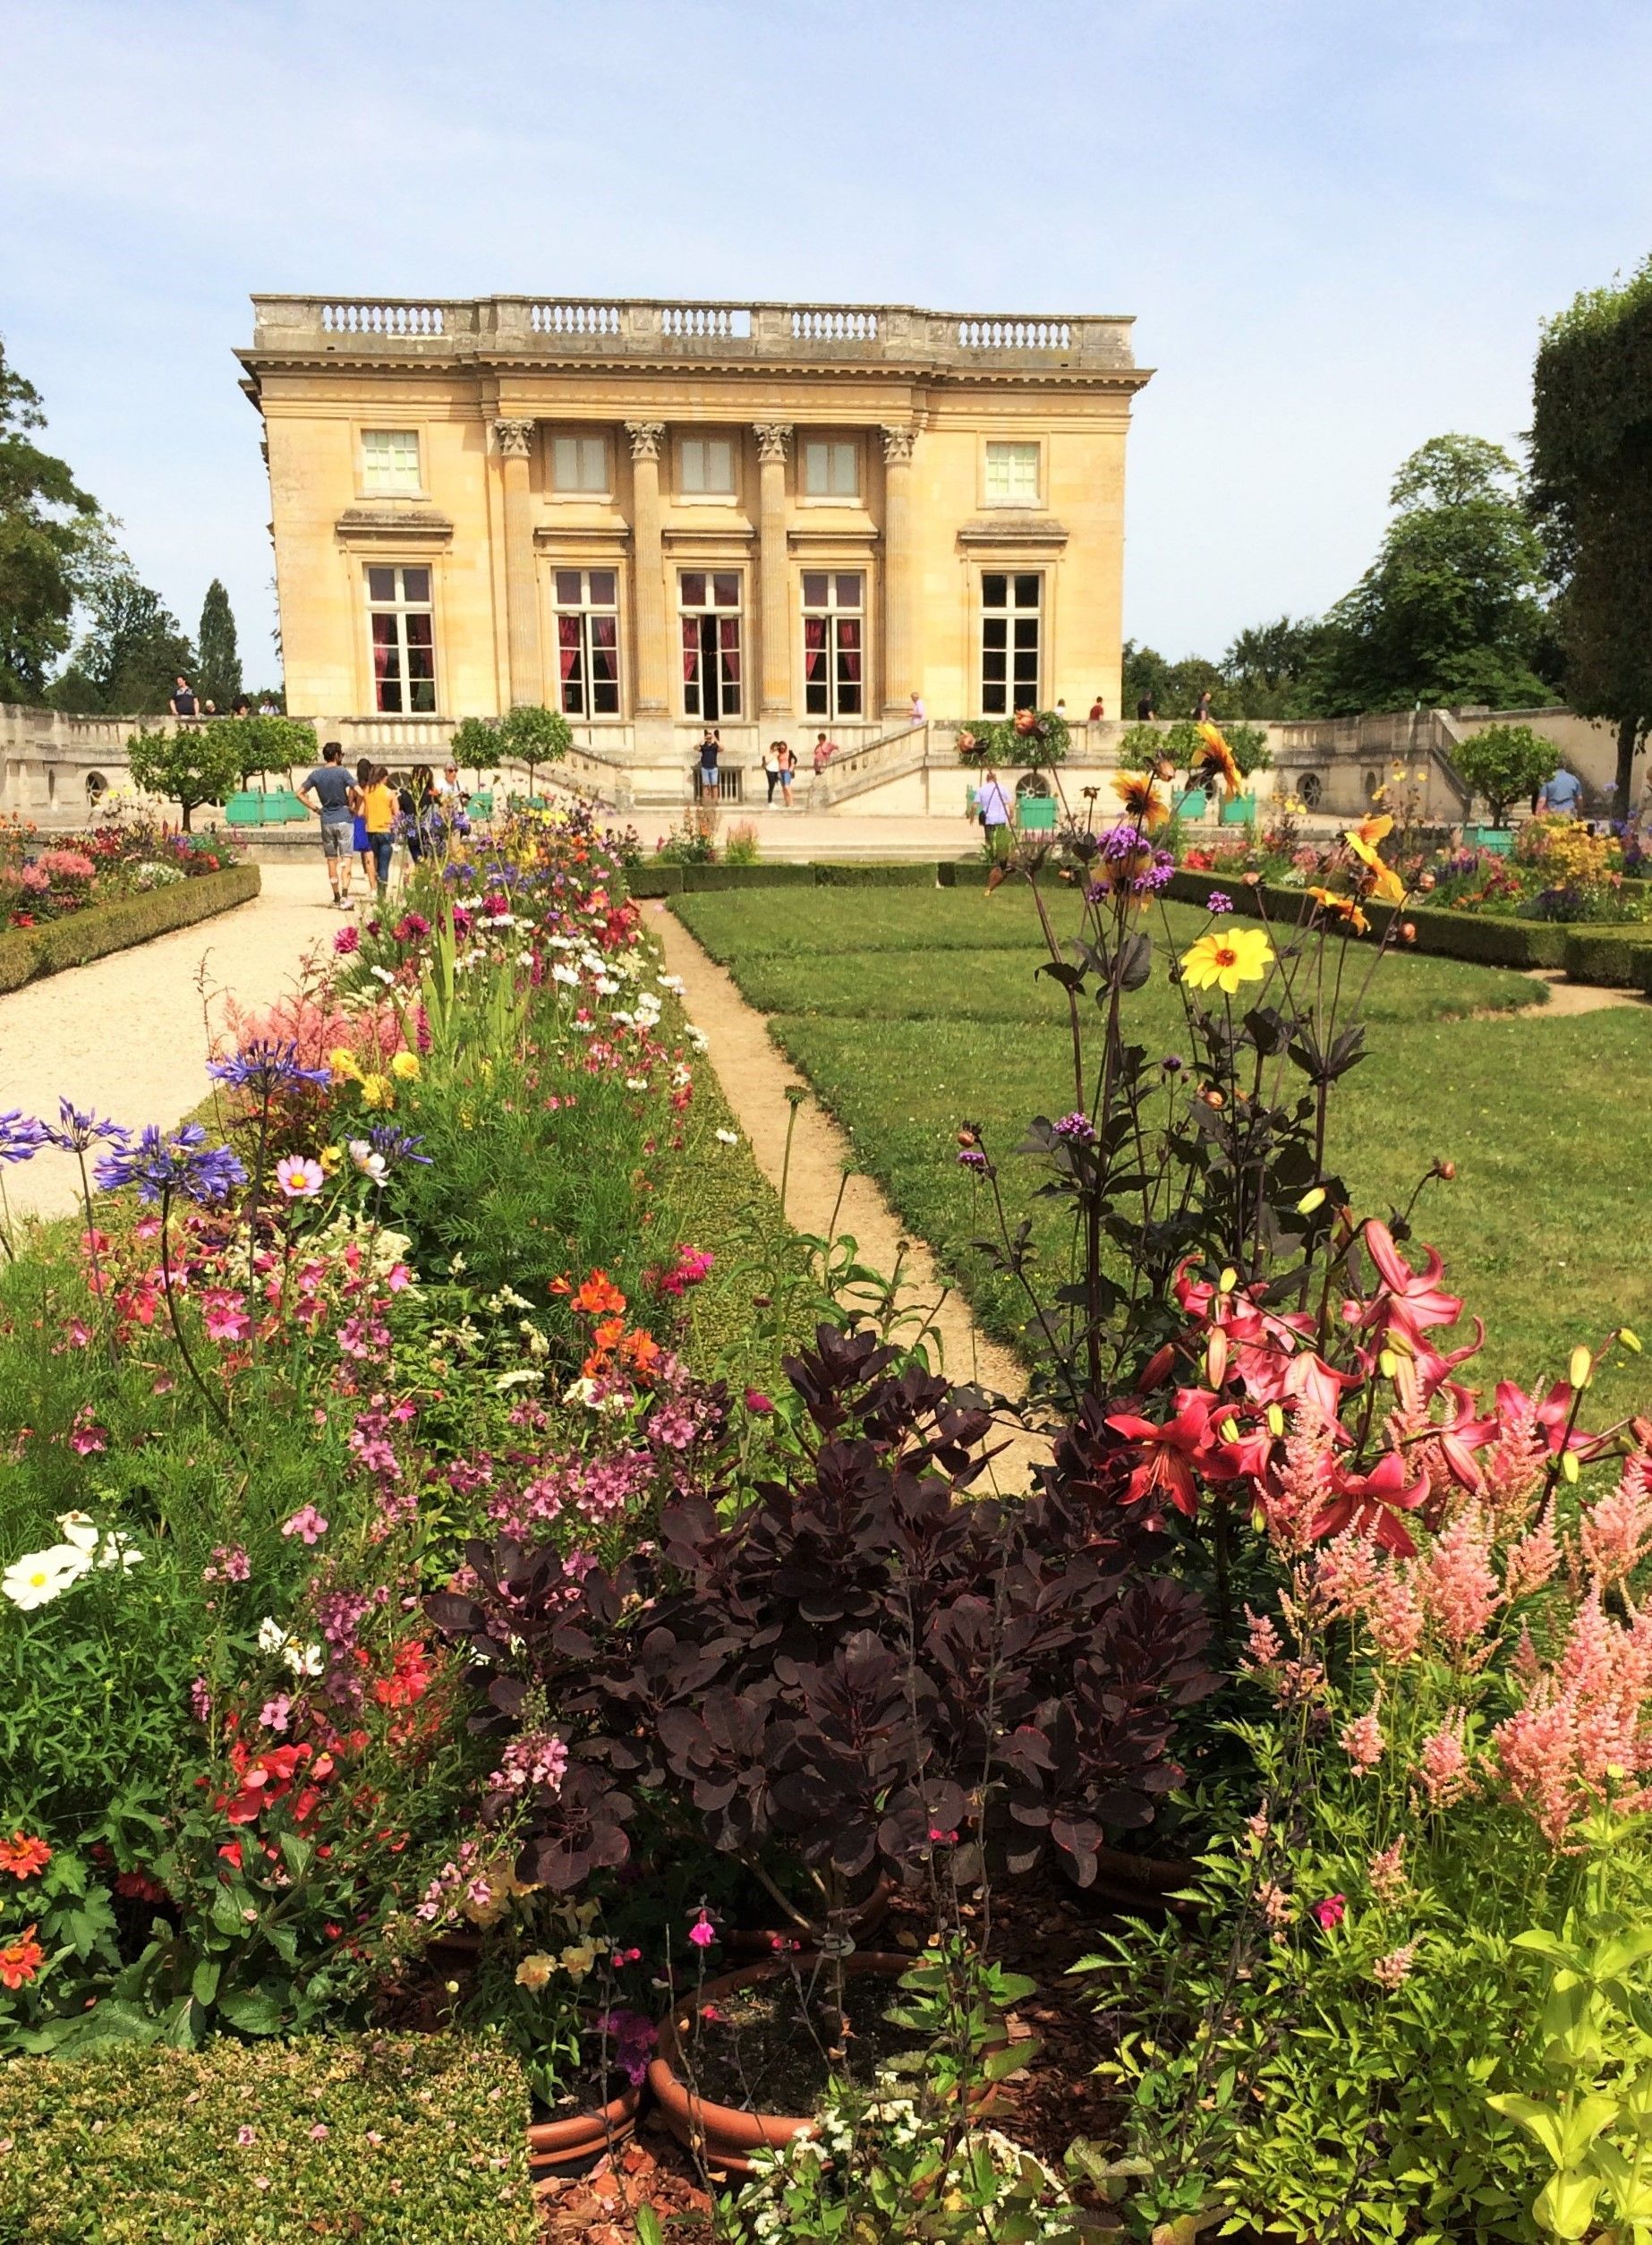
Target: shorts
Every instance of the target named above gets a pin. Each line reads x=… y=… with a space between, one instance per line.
x=337 y=838
x=359 y=836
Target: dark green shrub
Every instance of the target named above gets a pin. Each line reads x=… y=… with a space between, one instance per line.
x=26 y=954
x=418 y=2139
x=913 y=876
x=1607 y=955
x=654 y=880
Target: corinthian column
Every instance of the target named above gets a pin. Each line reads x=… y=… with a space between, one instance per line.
x=772 y=438
x=898 y=681
x=514 y=440
x=650 y=593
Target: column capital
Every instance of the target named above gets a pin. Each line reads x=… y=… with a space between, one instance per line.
x=645 y=438
x=514 y=439
x=772 y=438
x=898 y=446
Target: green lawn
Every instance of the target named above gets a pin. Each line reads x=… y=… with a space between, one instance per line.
x=911 y=1009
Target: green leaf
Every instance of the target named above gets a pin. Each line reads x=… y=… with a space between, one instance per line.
x=204 y=1982
x=1565 y=2205
x=251 y=2013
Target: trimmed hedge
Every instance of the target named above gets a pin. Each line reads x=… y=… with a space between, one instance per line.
x=651 y=881
x=26 y=954
x=1614 y=956
x=1473 y=936
x=414 y=2141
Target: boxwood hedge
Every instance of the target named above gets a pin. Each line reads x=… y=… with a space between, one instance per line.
x=651 y=881
x=391 y=2139
x=26 y=954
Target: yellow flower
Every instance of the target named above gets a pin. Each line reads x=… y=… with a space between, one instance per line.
x=1227 y=956
x=1386 y=886
x=1346 y=908
x=534 y=1971
x=329 y=1159
x=579 y=1958
x=377 y=1092
x=406 y=1066
x=343 y=1064
x=1216 y=757
x=1140 y=799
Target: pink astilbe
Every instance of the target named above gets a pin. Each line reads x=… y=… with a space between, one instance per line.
x=1456 y=1585
x=1393 y=1615
x=1303 y=1485
x=1513 y=1465
x=1532 y=1562
x=1263 y=1647
x=1386 y=1873
x=316 y=1027
x=1580 y=1738
x=1345 y=1572
x=1364 y=1743
x=1444 y=1763
x=1615 y=1533
x=1390 y=1970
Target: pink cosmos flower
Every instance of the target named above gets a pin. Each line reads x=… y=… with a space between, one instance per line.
x=306 y=1522
x=300 y=1179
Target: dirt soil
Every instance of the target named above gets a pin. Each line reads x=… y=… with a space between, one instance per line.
x=756 y=1077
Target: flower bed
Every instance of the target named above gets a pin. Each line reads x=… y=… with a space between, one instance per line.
x=75 y=940
x=46 y=881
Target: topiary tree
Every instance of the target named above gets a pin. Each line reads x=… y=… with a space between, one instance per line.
x=197 y=765
x=272 y=744
x=1504 y=762
x=1250 y=748
x=531 y=735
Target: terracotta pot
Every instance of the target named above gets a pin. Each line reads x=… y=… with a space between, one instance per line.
x=1144 y=1882
x=725 y=2136
x=865 y=1919
x=575 y=2145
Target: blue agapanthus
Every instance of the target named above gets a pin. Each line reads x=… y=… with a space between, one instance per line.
x=177 y=1163
x=396 y=1148
x=266 y=1067
x=20 y=1136
x=78 y=1129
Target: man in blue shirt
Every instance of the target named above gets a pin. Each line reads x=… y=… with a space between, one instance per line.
x=327 y=791
x=1561 y=794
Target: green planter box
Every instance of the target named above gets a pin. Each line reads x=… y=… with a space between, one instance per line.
x=1498 y=839
x=1192 y=803
x=1036 y=814
x=1239 y=810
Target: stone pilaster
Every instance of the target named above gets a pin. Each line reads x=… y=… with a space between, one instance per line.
x=649 y=566
x=772 y=439
x=514 y=441
x=897 y=659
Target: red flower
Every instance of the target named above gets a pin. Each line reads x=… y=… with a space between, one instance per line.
x=1166 y=1471
x=22 y=1856
x=1370 y=1503
x=21 y=1960
x=1331 y=1910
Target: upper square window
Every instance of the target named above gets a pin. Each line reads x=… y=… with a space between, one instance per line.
x=1012 y=475
x=390 y=460
x=579 y=464
x=706 y=464
x=830 y=470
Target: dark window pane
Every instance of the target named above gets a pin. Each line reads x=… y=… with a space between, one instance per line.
x=1026 y=592
x=815 y=588
x=995 y=632
x=993 y=701
x=993 y=590
x=1027 y=631
x=602 y=583
x=567 y=588
x=604 y=631
x=993 y=666
x=726 y=589
x=382 y=584
x=814 y=698
x=415 y=584
x=423 y=696
x=391 y=695
x=848 y=631
x=849 y=592
x=383 y=631
x=605 y=697
x=418 y=631
x=848 y=700
x=694 y=588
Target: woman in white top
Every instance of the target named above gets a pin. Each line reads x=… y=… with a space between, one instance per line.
x=772 y=767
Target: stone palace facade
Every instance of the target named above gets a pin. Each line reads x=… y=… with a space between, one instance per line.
x=780 y=519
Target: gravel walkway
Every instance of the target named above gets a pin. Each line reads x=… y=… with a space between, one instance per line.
x=127 y=1035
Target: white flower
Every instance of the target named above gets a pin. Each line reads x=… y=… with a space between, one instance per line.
x=119 y=1551
x=522 y=1378
x=39 y=1577
x=728 y=1138
x=582 y=1391
x=271 y=1636
x=570 y=974
x=606 y=985
x=636 y=1083
x=697 y=1038
x=382 y=974
x=78 y=1528
x=563 y=943
x=585 y=1029
x=303 y=1660
x=673 y=982
x=367 y=1159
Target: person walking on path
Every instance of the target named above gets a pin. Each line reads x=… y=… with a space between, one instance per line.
x=788 y=772
x=771 y=768
x=1144 y=709
x=358 y=825
x=1560 y=795
x=379 y=819
x=1201 y=709
x=326 y=792
x=183 y=703
x=1098 y=710
x=914 y=715
x=995 y=811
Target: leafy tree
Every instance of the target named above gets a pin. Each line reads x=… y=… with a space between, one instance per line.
x=217 y=656
x=131 y=650
x=48 y=532
x=1267 y=670
x=272 y=744
x=1175 y=687
x=530 y=735
x=1591 y=494
x=1503 y=762
x=1448 y=611
x=196 y=764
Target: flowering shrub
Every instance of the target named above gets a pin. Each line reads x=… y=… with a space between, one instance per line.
x=46 y=882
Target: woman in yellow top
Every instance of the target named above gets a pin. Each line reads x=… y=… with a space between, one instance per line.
x=379 y=819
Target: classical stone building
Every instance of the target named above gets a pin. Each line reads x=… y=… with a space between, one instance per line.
x=781 y=519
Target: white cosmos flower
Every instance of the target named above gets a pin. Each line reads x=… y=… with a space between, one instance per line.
x=585 y=1029
x=382 y=974
x=636 y=1083
x=40 y=1576
x=80 y=1529
x=523 y=1377
x=119 y=1551
x=367 y=1159
x=673 y=982
x=570 y=974
x=728 y=1138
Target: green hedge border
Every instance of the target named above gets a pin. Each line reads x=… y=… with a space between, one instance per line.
x=653 y=881
x=1595 y=954
x=27 y=953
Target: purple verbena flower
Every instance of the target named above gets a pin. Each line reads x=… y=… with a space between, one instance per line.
x=1219 y=900
x=1077 y=1127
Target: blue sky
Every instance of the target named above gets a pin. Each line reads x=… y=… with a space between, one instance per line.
x=1339 y=225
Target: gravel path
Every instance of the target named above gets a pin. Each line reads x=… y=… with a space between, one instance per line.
x=126 y=1034
x=756 y=1077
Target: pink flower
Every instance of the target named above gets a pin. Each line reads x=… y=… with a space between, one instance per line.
x=1444 y=1763
x=758 y=1403
x=1262 y=1647
x=245 y=2135
x=1363 y=1742
x=1582 y=1735
x=319 y=2133
x=702 y=1932
x=1330 y=1912
x=1532 y=1562
x=1388 y=1971
x=300 y=1180
x=1458 y=1589
x=1615 y=1532
x=306 y=1522
x=225 y=1314
x=273 y=1715
x=201 y=1700
x=1386 y=1871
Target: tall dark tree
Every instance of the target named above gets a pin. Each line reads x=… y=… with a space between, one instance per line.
x=1591 y=494
x=49 y=535
x=1450 y=611
x=131 y=651
x=217 y=656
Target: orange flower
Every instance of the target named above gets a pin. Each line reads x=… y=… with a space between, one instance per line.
x=1375 y=829
x=1140 y=799
x=1216 y=757
x=23 y=1856
x=21 y=1960
x=599 y=1297
x=1026 y=721
x=1345 y=908
x=1386 y=886
x=640 y=1350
